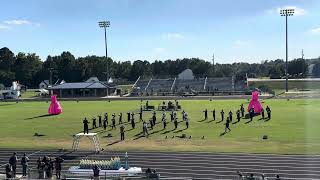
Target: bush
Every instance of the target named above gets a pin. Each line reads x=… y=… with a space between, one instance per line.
x=112 y=164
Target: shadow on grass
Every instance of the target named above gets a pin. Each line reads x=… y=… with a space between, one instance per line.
x=210 y=121
x=136 y=138
x=268 y=119
x=224 y=133
x=248 y=122
x=129 y=130
x=115 y=142
x=236 y=122
x=180 y=130
x=168 y=131
x=136 y=135
x=38 y=135
x=202 y=120
x=219 y=121
x=41 y=116
x=154 y=132
x=103 y=131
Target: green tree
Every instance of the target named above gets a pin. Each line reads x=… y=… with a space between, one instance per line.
x=298 y=68
x=26 y=68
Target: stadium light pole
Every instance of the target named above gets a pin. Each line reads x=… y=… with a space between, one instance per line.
x=286 y=13
x=105 y=24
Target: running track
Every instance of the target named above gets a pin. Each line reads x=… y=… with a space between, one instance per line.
x=195 y=165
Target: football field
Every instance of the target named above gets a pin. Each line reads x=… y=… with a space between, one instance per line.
x=293 y=128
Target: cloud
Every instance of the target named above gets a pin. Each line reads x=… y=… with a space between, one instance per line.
x=4 y=27
x=17 y=22
x=159 y=50
x=240 y=43
x=172 y=36
x=297 y=11
x=315 y=30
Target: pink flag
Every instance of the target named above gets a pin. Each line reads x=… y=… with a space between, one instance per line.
x=55 y=107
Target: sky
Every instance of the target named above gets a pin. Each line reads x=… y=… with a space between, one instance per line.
x=234 y=30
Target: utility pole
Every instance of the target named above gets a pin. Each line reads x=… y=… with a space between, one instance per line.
x=50 y=79
x=213 y=68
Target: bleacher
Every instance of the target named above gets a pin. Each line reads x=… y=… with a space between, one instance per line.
x=220 y=84
x=140 y=86
x=189 y=85
x=160 y=85
x=200 y=85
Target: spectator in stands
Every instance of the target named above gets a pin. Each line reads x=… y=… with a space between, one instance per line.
x=222 y=115
x=122 y=132
x=96 y=172
x=268 y=112
x=94 y=122
x=278 y=177
x=13 y=163
x=85 y=126
x=240 y=174
x=205 y=114
x=148 y=171
x=214 y=114
x=251 y=177
x=42 y=170
x=8 y=171
x=24 y=163
x=48 y=167
x=58 y=166
x=39 y=164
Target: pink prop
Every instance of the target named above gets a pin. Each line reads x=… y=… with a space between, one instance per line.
x=55 y=107
x=255 y=103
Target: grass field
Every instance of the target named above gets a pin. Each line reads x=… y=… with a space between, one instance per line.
x=293 y=129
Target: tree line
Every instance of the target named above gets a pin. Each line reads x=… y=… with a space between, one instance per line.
x=29 y=70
